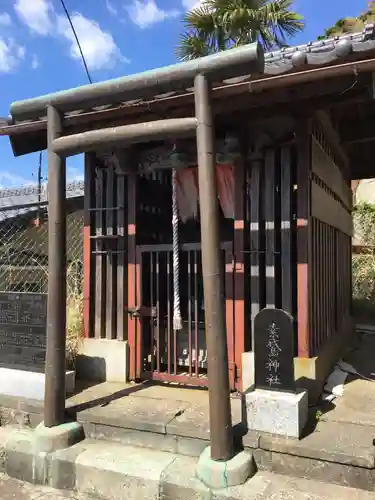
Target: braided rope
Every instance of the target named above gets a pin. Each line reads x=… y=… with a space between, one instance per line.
x=177 y=320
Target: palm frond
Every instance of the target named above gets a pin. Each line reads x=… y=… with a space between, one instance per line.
x=221 y=24
x=200 y=18
x=192 y=47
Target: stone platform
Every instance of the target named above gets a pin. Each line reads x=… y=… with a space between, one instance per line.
x=105 y=469
x=29 y=384
x=337 y=445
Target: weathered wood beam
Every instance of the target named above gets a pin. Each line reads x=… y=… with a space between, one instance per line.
x=334 y=140
x=217 y=67
x=124 y=135
x=358 y=131
x=30 y=137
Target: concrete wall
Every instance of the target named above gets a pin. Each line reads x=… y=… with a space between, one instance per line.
x=103 y=361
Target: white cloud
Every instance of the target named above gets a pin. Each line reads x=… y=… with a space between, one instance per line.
x=98 y=46
x=5 y=19
x=10 y=54
x=110 y=7
x=35 y=62
x=10 y=180
x=192 y=4
x=74 y=174
x=36 y=14
x=146 y=13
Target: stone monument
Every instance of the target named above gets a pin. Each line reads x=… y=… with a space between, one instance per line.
x=23 y=332
x=275 y=406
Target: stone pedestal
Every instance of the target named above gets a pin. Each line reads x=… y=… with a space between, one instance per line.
x=218 y=475
x=278 y=413
x=29 y=385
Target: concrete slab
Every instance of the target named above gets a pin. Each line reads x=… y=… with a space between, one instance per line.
x=320 y=470
x=28 y=384
x=175 y=393
x=193 y=422
x=103 y=360
x=117 y=472
x=264 y=486
x=345 y=444
x=358 y=401
x=110 y=471
x=144 y=414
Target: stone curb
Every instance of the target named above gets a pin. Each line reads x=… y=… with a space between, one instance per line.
x=108 y=470
x=113 y=471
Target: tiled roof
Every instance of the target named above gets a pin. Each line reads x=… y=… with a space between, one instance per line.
x=291 y=59
x=16 y=201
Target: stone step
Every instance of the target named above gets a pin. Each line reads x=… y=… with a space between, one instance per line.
x=339 y=453
x=335 y=453
x=117 y=472
x=110 y=471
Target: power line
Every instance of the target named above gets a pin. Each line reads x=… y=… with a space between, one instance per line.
x=77 y=40
x=40 y=178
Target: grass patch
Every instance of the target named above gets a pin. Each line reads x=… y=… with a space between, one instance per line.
x=363 y=264
x=74 y=312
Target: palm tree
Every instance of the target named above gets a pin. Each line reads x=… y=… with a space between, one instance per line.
x=351 y=24
x=218 y=25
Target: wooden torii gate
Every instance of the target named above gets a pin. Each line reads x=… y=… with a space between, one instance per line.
x=200 y=73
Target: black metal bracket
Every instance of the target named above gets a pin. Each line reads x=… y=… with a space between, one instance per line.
x=141 y=311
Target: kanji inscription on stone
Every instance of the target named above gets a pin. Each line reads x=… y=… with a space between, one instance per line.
x=274 y=350
x=23 y=330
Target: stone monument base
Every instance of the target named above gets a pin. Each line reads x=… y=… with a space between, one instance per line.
x=27 y=384
x=280 y=413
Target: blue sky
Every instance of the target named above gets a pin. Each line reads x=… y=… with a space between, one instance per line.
x=119 y=37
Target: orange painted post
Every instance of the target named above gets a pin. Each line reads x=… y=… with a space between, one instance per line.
x=303 y=236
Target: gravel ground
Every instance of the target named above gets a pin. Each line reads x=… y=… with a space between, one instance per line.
x=11 y=489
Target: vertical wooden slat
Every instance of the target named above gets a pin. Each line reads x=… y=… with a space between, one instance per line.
x=315 y=320
x=230 y=315
x=88 y=295
x=332 y=297
x=100 y=283
x=286 y=231
x=324 y=332
x=319 y=339
x=139 y=292
x=303 y=220
x=269 y=215
x=189 y=312
x=349 y=284
x=111 y=259
x=239 y=325
x=169 y=315
x=132 y=270
x=121 y=259
x=256 y=271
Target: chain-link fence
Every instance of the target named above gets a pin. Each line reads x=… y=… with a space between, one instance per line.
x=24 y=238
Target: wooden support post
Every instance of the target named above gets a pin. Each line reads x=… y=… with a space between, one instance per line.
x=240 y=326
x=286 y=231
x=221 y=435
x=54 y=400
x=133 y=271
x=87 y=248
x=303 y=239
x=257 y=275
